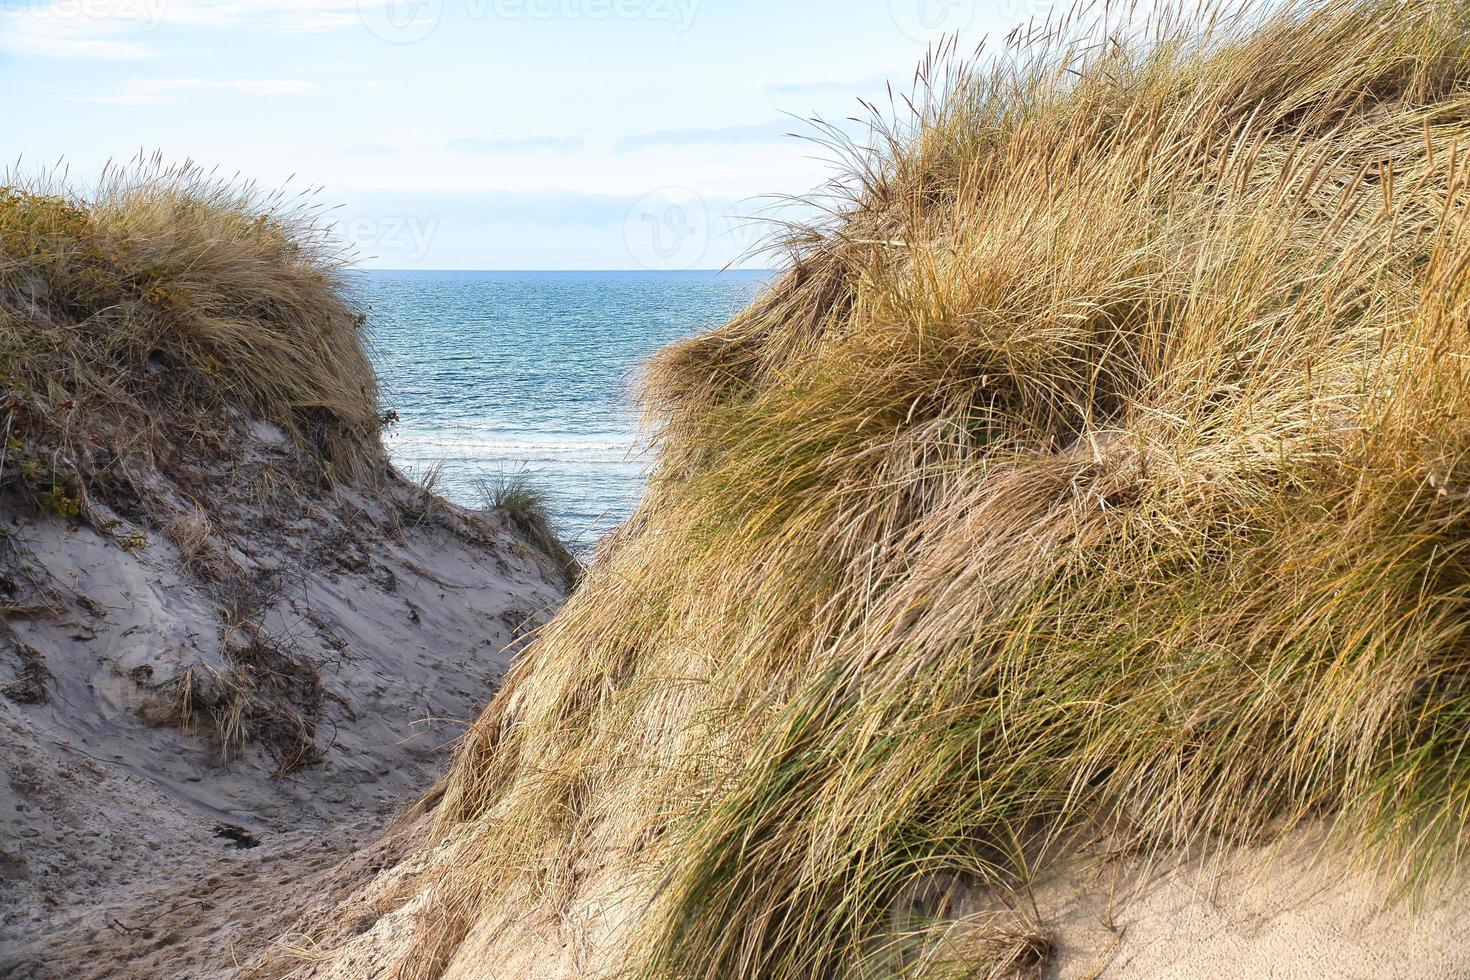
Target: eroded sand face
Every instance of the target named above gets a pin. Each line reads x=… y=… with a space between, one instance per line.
x=132 y=843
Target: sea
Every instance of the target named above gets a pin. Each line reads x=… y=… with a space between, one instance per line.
x=505 y=375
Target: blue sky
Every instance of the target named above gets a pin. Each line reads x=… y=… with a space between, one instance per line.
x=477 y=134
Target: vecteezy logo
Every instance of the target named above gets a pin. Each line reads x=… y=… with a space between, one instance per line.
x=147 y=14
x=668 y=229
x=405 y=239
x=400 y=21
x=930 y=20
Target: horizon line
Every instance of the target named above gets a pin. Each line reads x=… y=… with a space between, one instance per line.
x=360 y=268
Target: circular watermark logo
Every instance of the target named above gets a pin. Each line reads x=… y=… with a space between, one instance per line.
x=400 y=21
x=668 y=229
x=928 y=21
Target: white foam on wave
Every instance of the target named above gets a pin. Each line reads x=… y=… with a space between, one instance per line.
x=493 y=446
x=593 y=480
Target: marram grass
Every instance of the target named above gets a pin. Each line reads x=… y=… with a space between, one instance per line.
x=139 y=320
x=1099 y=472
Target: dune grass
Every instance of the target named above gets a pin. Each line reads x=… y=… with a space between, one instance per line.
x=136 y=318
x=1097 y=476
x=527 y=507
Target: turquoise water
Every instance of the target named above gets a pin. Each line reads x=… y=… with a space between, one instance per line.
x=506 y=373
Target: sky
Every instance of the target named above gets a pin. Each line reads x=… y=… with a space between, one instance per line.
x=478 y=134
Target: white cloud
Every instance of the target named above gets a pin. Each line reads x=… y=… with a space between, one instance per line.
x=757 y=133
x=518 y=144
x=286 y=15
x=131 y=29
x=57 y=31
x=146 y=91
x=865 y=86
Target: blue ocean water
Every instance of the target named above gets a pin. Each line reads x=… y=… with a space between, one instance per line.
x=502 y=373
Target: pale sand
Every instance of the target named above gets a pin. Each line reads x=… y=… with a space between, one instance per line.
x=1287 y=912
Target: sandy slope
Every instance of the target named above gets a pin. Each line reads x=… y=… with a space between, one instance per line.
x=124 y=822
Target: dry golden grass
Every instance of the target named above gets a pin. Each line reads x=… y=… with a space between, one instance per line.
x=137 y=322
x=1099 y=471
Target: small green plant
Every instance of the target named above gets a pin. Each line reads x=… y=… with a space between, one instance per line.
x=164 y=298
x=56 y=499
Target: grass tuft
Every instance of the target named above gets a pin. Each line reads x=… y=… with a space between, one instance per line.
x=527 y=507
x=141 y=320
